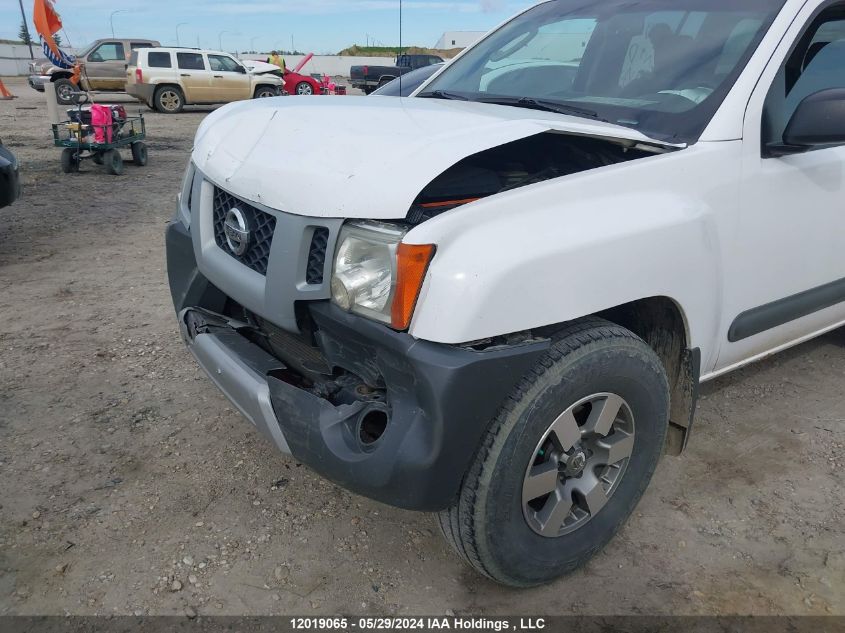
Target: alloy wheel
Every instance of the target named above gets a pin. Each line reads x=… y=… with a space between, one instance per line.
x=65 y=92
x=578 y=465
x=170 y=100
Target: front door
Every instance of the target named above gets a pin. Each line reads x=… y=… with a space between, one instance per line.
x=105 y=66
x=229 y=80
x=786 y=279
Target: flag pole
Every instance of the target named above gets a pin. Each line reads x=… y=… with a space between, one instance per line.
x=26 y=27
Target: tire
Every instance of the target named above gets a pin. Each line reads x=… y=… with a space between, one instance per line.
x=139 y=153
x=64 y=91
x=305 y=89
x=592 y=366
x=97 y=157
x=367 y=90
x=69 y=162
x=264 y=92
x=113 y=162
x=169 y=100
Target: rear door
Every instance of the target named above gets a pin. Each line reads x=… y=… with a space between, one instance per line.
x=229 y=79
x=194 y=77
x=105 y=66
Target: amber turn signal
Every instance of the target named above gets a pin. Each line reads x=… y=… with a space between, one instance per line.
x=412 y=262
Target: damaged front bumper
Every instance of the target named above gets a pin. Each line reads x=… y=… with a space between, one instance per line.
x=392 y=418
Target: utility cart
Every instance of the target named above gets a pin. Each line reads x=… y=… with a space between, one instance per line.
x=83 y=138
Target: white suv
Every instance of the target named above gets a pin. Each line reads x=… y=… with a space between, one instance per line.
x=168 y=79
x=497 y=300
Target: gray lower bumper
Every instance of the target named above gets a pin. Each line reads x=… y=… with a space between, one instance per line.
x=241 y=384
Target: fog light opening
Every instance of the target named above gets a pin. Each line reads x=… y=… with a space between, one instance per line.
x=371 y=426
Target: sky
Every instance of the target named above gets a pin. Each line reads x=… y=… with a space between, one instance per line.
x=320 y=26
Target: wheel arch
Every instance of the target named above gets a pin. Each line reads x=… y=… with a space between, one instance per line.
x=661 y=322
x=170 y=84
x=60 y=75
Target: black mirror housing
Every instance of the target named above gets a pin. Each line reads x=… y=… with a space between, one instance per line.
x=819 y=121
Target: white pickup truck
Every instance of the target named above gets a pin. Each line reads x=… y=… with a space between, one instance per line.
x=496 y=299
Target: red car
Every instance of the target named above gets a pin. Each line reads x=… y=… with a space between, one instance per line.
x=296 y=84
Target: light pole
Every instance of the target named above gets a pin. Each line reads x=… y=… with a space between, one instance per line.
x=111 y=18
x=177 y=31
x=220 y=37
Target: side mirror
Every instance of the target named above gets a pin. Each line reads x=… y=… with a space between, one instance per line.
x=241 y=69
x=818 y=121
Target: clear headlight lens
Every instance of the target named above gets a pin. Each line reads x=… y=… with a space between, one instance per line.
x=364 y=277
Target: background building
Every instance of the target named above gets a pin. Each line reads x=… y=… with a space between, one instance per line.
x=458 y=39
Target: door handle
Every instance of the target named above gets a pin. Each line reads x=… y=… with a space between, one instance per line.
x=218 y=76
x=184 y=75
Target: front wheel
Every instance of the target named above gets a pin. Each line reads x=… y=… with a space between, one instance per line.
x=64 y=91
x=304 y=88
x=265 y=92
x=566 y=461
x=139 y=153
x=70 y=160
x=113 y=162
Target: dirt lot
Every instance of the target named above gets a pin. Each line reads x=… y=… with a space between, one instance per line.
x=129 y=485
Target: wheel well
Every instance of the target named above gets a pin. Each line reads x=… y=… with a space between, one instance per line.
x=56 y=76
x=177 y=86
x=660 y=322
x=260 y=86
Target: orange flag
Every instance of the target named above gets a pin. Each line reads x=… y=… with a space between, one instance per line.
x=47 y=22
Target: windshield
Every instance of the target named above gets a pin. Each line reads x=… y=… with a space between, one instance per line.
x=662 y=67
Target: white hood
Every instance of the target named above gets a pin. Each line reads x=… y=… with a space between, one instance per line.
x=360 y=157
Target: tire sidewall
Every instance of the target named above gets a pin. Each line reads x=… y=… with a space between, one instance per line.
x=61 y=82
x=139 y=153
x=625 y=369
x=161 y=108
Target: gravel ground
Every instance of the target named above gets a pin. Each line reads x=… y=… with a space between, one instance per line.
x=128 y=484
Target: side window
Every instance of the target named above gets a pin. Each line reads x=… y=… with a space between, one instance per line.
x=222 y=63
x=108 y=52
x=159 y=60
x=190 y=61
x=815 y=64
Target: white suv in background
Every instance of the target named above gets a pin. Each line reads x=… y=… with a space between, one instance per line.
x=168 y=79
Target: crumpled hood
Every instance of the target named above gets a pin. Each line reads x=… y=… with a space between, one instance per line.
x=360 y=157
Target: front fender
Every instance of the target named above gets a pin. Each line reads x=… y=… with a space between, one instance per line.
x=570 y=247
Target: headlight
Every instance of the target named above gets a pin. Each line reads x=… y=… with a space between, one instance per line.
x=371 y=272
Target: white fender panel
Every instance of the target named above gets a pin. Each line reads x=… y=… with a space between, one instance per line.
x=570 y=247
